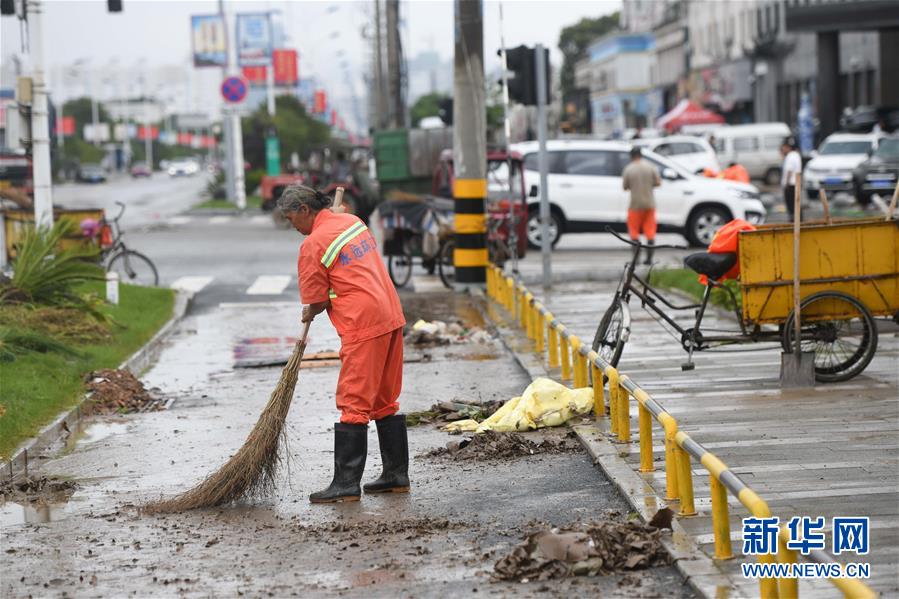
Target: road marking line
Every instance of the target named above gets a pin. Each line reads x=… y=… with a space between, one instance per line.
x=269 y=285
x=220 y=220
x=261 y=219
x=180 y=220
x=193 y=284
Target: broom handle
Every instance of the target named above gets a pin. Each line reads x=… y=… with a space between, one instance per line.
x=825 y=205
x=797 y=209
x=338 y=197
x=306 y=326
x=892 y=207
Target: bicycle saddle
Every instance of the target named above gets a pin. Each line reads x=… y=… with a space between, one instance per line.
x=711 y=265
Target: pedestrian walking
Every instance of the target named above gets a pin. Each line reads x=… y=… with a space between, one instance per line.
x=792 y=166
x=341 y=272
x=640 y=177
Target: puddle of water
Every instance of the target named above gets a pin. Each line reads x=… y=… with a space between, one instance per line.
x=17 y=514
x=94 y=432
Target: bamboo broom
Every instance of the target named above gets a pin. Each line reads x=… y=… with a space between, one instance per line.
x=252 y=471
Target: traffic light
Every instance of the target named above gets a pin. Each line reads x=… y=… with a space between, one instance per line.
x=445 y=111
x=522 y=61
x=114 y=5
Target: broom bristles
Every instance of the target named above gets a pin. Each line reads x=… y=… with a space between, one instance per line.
x=252 y=471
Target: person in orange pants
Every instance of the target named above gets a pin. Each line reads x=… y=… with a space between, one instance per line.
x=640 y=178
x=341 y=271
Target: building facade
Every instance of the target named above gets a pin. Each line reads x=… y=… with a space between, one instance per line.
x=617 y=73
x=739 y=59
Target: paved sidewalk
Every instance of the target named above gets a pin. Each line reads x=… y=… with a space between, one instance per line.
x=830 y=451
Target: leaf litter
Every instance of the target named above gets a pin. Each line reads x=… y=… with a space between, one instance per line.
x=113 y=391
x=491 y=445
x=596 y=548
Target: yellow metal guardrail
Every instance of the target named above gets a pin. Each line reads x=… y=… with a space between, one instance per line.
x=583 y=366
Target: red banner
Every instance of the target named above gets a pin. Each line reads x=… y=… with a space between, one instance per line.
x=65 y=126
x=255 y=75
x=287 y=71
x=142 y=132
x=333 y=117
x=321 y=102
x=184 y=139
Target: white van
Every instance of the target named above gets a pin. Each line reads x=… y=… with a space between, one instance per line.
x=756 y=147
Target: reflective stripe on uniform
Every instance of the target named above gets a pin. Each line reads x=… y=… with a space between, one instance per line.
x=333 y=250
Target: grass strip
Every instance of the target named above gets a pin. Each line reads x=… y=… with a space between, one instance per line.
x=36 y=387
x=688 y=281
x=253 y=203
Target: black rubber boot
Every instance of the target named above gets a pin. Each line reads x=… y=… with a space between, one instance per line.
x=350 y=450
x=394 y=456
x=649 y=251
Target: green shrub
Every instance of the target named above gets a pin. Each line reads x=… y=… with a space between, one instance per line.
x=43 y=273
x=252 y=179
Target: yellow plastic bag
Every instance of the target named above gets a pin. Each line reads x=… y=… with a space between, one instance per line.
x=544 y=403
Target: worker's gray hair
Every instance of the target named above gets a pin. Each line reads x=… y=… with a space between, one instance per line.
x=295 y=196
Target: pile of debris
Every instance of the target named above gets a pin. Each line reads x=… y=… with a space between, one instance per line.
x=491 y=445
x=31 y=490
x=599 y=548
x=451 y=411
x=118 y=392
x=437 y=332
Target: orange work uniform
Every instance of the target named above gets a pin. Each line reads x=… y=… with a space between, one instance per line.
x=339 y=260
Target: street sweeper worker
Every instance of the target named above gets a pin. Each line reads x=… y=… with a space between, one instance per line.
x=341 y=272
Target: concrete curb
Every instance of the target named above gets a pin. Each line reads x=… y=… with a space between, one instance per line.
x=702 y=573
x=70 y=420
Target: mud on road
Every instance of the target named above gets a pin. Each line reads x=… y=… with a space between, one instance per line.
x=442 y=539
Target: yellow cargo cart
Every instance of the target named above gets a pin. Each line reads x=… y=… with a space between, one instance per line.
x=17 y=221
x=849 y=274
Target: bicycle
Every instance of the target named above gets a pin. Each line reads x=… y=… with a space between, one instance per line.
x=132 y=267
x=840 y=329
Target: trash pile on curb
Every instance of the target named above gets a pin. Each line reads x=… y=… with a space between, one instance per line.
x=36 y=490
x=499 y=446
x=451 y=411
x=113 y=391
x=437 y=332
x=598 y=548
x=544 y=403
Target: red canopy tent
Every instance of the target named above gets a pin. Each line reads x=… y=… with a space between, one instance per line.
x=687 y=113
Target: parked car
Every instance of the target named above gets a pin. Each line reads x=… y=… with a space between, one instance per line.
x=837 y=157
x=182 y=168
x=586 y=193
x=140 y=169
x=91 y=173
x=756 y=147
x=879 y=173
x=693 y=153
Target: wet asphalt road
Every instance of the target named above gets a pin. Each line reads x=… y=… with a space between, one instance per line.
x=441 y=540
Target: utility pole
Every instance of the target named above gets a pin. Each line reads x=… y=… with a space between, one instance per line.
x=545 y=242
x=40 y=132
x=380 y=93
x=469 y=146
x=226 y=120
x=396 y=109
x=234 y=176
x=507 y=125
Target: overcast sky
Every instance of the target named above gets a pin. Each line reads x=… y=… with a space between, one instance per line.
x=158 y=31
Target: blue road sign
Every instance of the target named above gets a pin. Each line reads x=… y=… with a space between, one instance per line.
x=234 y=89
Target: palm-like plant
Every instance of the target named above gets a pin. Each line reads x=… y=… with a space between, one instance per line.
x=44 y=273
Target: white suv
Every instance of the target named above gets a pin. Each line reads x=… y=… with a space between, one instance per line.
x=586 y=194
x=837 y=157
x=693 y=153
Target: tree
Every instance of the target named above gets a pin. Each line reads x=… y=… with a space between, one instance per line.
x=574 y=40
x=426 y=105
x=296 y=130
x=81 y=109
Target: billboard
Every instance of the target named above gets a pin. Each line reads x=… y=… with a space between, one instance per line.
x=286 y=67
x=254 y=39
x=208 y=40
x=255 y=75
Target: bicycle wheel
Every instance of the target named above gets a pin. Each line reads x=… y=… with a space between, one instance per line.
x=400 y=268
x=612 y=332
x=841 y=332
x=445 y=265
x=134 y=268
